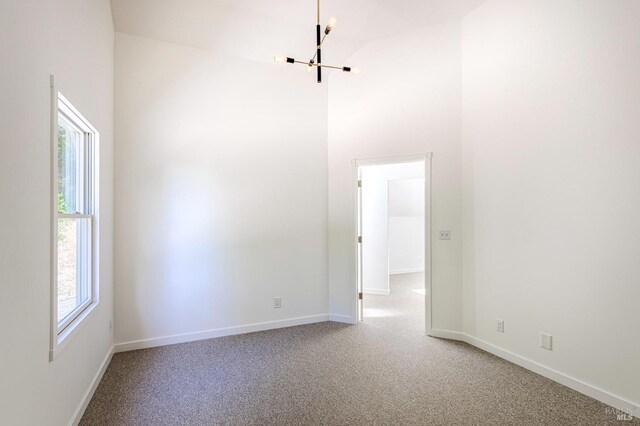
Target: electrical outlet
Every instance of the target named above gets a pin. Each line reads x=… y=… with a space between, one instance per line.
x=445 y=235
x=546 y=341
x=277 y=302
x=500 y=326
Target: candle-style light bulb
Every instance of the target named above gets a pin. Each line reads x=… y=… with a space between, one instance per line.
x=355 y=70
x=332 y=23
x=280 y=59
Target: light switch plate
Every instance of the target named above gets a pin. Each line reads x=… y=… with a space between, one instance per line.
x=546 y=341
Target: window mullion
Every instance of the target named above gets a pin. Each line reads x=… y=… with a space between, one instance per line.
x=74 y=216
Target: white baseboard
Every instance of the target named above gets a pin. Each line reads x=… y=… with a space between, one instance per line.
x=376 y=291
x=405 y=271
x=218 y=332
x=341 y=318
x=77 y=416
x=568 y=381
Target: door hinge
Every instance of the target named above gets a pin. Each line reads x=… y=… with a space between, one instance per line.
x=360 y=296
x=359 y=183
x=360 y=239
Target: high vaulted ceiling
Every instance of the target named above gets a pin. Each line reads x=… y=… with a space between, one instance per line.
x=258 y=29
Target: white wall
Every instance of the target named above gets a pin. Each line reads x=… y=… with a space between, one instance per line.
x=406 y=226
x=375 y=220
x=407 y=100
x=72 y=39
x=221 y=191
x=406 y=197
x=551 y=140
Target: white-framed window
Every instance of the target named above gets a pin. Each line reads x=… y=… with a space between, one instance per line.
x=74 y=287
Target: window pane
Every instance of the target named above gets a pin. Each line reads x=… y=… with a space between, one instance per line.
x=69 y=168
x=74 y=258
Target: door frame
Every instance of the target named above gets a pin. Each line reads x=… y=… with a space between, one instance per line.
x=355 y=165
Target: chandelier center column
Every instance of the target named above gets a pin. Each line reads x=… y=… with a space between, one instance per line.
x=319 y=44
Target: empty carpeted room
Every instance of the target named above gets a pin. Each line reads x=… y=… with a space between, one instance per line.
x=320 y=212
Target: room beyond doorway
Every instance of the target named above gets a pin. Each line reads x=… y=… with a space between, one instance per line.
x=403 y=309
x=392 y=250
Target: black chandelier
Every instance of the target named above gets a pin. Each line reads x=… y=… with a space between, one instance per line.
x=318 y=55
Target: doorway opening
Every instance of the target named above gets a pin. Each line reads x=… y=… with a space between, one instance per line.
x=392 y=241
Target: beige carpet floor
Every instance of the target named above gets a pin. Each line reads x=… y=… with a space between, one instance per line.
x=381 y=372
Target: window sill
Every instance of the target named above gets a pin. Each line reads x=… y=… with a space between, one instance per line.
x=62 y=340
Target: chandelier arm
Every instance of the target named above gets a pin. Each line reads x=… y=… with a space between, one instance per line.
x=321 y=65
x=316 y=54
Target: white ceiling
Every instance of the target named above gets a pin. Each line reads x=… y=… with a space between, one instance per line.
x=259 y=29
